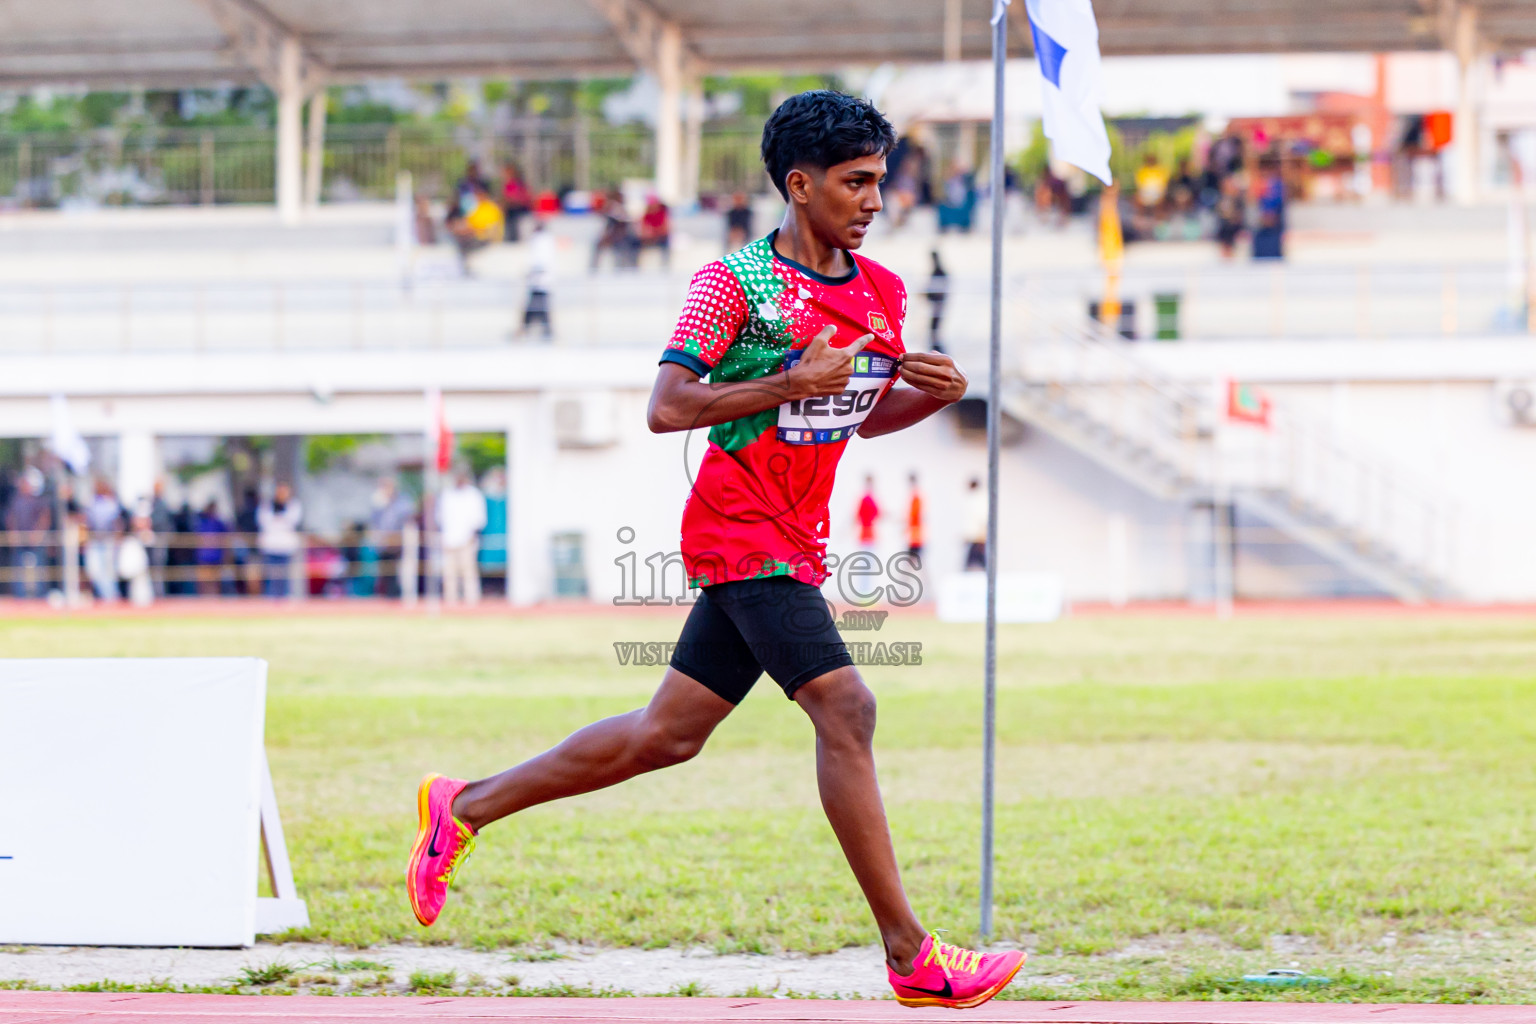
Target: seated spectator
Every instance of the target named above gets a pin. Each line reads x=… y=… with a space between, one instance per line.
x=474 y=223
x=738 y=222
x=617 y=235
x=211 y=533
x=516 y=201
x=426 y=231
x=470 y=180
x=959 y=203
x=27 y=516
x=656 y=229
x=1231 y=216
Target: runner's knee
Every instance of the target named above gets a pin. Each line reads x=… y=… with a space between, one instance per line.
x=846 y=715
x=661 y=746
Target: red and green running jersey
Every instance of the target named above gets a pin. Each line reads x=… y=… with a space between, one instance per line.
x=759 y=503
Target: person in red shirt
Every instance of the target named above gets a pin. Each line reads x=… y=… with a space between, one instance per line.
x=801 y=341
x=869 y=514
x=656 y=229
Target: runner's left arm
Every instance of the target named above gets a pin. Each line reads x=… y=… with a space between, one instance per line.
x=936 y=382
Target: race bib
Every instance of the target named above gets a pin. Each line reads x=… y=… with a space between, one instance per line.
x=828 y=418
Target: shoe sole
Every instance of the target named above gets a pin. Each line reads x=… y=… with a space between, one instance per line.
x=423 y=819
x=974 y=1001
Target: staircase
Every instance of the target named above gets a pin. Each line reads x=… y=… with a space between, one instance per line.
x=1088 y=389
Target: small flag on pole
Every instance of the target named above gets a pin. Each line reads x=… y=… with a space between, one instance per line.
x=65 y=440
x=1067 y=49
x=442 y=433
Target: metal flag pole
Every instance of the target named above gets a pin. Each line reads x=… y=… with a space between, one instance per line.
x=994 y=398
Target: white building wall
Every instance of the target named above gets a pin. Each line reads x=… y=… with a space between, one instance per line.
x=1429 y=407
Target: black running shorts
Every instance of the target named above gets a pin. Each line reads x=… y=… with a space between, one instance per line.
x=741 y=629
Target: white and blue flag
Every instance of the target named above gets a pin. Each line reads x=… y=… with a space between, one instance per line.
x=1067 y=48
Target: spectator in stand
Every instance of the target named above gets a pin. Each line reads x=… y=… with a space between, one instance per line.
x=104 y=521
x=470 y=181
x=617 y=235
x=493 y=539
x=868 y=514
x=362 y=560
x=27 y=516
x=160 y=524
x=278 y=538
x=1231 y=215
x=212 y=532
x=541 y=273
x=247 y=560
x=976 y=512
x=391 y=511
x=656 y=229
x=475 y=222
x=426 y=230
x=1151 y=184
x=959 y=205
x=461 y=517
x=907 y=167
x=516 y=201
x=181 y=561
x=133 y=562
x=937 y=294
x=915 y=521
x=738 y=222
x=1269 y=237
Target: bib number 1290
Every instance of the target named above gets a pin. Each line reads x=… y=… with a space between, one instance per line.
x=828 y=418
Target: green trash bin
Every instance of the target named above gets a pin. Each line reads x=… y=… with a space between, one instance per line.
x=1166 y=305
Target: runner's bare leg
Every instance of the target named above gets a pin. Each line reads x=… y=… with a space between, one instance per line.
x=669 y=730
x=843 y=711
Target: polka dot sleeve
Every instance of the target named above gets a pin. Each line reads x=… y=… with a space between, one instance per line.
x=714 y=313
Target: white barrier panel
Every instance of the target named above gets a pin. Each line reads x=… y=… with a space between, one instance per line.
x=131 y=803
x=1021 y=597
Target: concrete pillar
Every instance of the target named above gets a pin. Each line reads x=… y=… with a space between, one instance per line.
x=314 y=151
x=135 y=466
x=1467 y=131
x=530 y=479
x=669 y=115
x=952 y=30
x=693 y=139
x=290 y=132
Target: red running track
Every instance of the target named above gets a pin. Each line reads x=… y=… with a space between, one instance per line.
x=140 y=1008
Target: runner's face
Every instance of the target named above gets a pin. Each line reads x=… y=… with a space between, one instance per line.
x=842 y=202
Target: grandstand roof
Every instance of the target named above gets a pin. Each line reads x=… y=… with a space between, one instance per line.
x=191 y=42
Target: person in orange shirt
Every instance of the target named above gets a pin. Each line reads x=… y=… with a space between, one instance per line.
x=915 y=521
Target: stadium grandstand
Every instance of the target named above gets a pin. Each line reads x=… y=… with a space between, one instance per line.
x=283 y=303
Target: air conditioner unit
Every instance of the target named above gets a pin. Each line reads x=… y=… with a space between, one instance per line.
x=586 y=419
x=1514 y=402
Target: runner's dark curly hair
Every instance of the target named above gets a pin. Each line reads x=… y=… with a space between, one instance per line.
x=820 y=129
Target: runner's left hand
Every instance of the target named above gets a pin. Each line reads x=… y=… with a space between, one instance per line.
x=935 y=374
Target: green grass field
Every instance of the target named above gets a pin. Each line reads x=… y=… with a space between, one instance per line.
x=1180 y=787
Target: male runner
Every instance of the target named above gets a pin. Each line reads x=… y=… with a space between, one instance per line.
x=801 y=341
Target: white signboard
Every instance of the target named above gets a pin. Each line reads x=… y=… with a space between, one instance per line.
x=1021 y=597
x=131 y=802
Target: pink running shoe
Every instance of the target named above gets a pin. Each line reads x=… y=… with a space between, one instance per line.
x=945 y=975
x=442 y=843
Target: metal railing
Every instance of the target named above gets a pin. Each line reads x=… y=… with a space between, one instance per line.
x=640 y=307
x=166 y=166
x=77 y=566
x=1301 y=474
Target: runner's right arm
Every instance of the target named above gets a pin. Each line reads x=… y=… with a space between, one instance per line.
x=681 y=400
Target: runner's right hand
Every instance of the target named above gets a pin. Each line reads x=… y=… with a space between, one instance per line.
x=825 y=370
